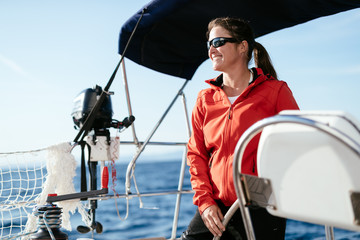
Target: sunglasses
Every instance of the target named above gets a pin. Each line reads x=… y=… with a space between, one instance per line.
x=219 y=41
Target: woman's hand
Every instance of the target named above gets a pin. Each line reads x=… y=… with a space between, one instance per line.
x=212 y=218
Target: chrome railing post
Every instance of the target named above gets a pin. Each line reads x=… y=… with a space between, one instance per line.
x=126 y=86
x=329 y=233
x=182 y=174
x=131 y=165
x=178 y=195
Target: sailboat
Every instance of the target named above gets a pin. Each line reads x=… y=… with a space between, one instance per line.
x=168 y=37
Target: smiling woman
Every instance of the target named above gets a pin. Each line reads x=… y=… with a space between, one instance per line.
x=236 y=99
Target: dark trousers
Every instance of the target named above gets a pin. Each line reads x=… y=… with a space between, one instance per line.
x=265 y=226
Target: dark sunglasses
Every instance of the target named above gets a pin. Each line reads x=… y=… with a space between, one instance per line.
x=219 y=41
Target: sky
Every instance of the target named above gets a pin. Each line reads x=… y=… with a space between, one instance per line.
x=52 y=50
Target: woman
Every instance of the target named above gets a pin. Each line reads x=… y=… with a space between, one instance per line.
x=236 y=99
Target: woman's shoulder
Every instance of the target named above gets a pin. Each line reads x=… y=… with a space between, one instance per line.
x=275 y=82
x=206 y=93
x=272 y=85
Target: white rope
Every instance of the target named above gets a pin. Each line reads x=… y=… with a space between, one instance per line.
x=48 y=227
x=61 y=166
x=141 y=204
x=117 y=209
x=23 y=152
x=114 y=155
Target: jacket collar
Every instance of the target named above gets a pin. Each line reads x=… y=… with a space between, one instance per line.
x=258 y=78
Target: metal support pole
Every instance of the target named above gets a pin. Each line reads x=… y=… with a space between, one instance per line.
x=93 y=183
x=329 y=233
x=141 y=149
x=182 y=173
x=187 y=119
x=178 y=196
x=126 y=86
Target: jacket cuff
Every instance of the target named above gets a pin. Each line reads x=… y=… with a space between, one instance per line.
x=205 y=205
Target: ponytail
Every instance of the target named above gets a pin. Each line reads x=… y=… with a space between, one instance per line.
x=262 y=60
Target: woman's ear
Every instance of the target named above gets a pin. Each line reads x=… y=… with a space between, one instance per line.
x=243 y=47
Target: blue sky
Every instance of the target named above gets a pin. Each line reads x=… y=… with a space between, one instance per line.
x=52 y=50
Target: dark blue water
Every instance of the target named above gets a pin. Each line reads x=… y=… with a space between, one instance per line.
x=156 y=217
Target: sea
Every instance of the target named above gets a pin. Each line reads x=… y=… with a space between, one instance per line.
x=153 y=216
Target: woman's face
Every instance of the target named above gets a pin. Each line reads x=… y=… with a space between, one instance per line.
x=224 y=57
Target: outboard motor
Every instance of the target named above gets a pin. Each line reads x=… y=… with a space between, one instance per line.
x=99 y=142
x=84 y=103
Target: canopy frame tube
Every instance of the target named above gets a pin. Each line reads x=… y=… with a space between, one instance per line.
x=142 y=145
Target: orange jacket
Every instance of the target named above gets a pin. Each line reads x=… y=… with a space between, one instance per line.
x=217 y=127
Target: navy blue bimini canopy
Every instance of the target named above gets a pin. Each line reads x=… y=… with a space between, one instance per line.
x=171 y=36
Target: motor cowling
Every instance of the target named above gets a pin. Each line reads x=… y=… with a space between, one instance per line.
x=84 y=103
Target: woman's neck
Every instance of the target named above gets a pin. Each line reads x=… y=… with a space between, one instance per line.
x=235 y=83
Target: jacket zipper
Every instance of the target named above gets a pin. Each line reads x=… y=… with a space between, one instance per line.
x=228 y=128
x=227 y=132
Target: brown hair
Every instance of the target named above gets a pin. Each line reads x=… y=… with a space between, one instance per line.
x=241 y=30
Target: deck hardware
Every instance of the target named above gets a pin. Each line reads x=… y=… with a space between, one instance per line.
x=258 y=191
x=355 y=201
